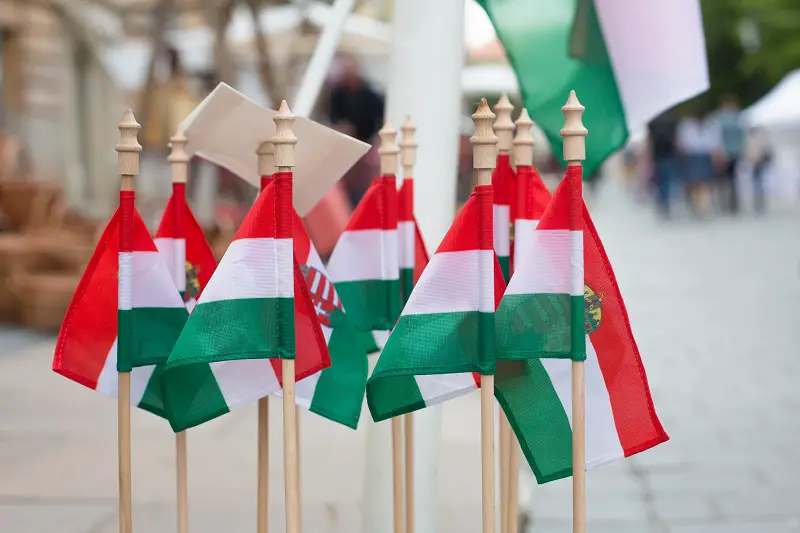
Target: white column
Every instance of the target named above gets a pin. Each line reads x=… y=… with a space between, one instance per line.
x=426 y=86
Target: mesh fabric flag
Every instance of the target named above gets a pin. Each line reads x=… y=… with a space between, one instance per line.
x=445 y=334
x=364 y=264
x=563 y=302
x=182 y=243
x=336 y=393
x=126 y=291
x=631 y=60
x=532 y=197
x=413 y=255
x=502 y=186
x=254 y=311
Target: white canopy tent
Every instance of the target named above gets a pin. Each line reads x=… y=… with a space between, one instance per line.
x=777 y=113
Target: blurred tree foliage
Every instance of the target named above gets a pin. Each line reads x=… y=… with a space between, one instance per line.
x=751 y=45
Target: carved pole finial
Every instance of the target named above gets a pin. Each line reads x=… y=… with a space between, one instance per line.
x=523 y=141
x=128 y=150
x=574 y=132
x=178 y=158
x=388 y=149
x=504 y=126
x=408 y=146
x=484 y=144
x=266 y=158
x=284 y=140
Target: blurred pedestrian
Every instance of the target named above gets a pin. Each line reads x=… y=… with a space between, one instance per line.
x=356 y=109
x=759 y=156
x=663 y=152
x=698 y=143
x=732 y=134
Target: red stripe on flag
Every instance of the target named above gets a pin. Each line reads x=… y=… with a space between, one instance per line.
x=179 y=214
x=532 y=194
x=90 y=323
x=420 y=252
x=300 y=239
x=502 y=180
x=265 y=180
x=406 y=201
x=472 y=228
x=378 y=208
x=565 y=211
x=126 y=215
x=271 y=214
x=635 y=416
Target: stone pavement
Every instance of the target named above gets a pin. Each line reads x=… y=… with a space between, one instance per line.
x=711 y=303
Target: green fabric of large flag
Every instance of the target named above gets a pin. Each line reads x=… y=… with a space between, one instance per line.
x=628 y=62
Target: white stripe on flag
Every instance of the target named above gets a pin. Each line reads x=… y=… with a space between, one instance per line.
x=501 y=220
x=464 y=281
x=365 y=255
x=245 y=380
x=152 y=282
x=108 y=380
x=523 y=238
x=252 y=268
x=438 y=388
x=552 y=264
x=174 y=254
x=407 y=237
x=602 y=439
x=125 y=281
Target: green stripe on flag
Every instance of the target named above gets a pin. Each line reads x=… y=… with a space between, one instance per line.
x=370 y=304
x=147 y=335
x=152 y=399
x=246 y=328
x=505 y=266
x=536 y=414
x=193 y=396
x=541 y=325
x=554 y=47
x=406 y=283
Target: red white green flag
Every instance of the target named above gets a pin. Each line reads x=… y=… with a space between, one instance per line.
x=503 y=187
x=445 y=335
x=532 y=198
x=255 y=310
x=125 y=314
x=364 y=264
x=563 y=303
x=337 y=392
x=413 y=255
x=184 y=247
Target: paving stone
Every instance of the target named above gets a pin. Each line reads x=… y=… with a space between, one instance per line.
x=47 y=517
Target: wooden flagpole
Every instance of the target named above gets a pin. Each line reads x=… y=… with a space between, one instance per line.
x=388 y=153
x=574 y=134
x=408 y=157
x=128 y=150
x=504 y=129
x=284 y=142
x=484 y=148
x=266 y=166
x=523 y=156
x=179 y=167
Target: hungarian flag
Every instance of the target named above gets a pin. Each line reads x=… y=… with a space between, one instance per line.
x=503 y=187
x=631 y=63
x=336 y=393
x=254 y=311
x=182 y=243
x=445 y=336
x=125 y=315
x=413 y=255
x=364 y=264
x=532 y=197
x=563 y=303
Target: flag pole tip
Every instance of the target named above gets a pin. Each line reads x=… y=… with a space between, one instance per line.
x=388 y=150
x=284 y=109
x=177 y=146
x=574 y=132
x=523 y=140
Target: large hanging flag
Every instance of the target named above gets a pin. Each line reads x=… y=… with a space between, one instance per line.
x=336 y=393
x=182 y=243
x=502 y=186
x=254 y=311
x=445 y=336
x=630 y=64
x=413 y=255
x=563 y=303
x=148 y=318
x=364 y=264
